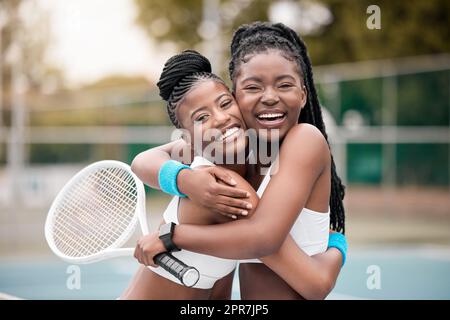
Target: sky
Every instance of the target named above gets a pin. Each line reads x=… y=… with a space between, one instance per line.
x=94 y=38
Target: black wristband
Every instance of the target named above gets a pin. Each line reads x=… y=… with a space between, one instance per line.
x=166 y=234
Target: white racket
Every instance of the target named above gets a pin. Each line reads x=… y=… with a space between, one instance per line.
x=97 y=211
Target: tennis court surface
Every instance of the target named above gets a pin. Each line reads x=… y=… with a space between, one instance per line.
x=390 y=272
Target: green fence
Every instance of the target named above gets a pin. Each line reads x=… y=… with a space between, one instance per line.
x=419 y=100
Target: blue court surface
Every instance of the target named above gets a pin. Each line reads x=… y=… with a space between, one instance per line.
x=394 y=272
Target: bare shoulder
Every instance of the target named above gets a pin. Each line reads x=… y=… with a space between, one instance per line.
x=194 y=213
x=305 y=142
x=304 y=132
x=241 y=183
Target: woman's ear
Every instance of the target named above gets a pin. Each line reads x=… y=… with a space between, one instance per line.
x=184 y=134
x=186 y=137
x=304 y=97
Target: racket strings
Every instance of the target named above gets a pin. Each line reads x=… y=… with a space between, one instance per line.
x=109 y=204
x=95 y=212
x=105 y=202
x=112 y=235
x=88 y=227
x=88 y=205
x=75 y=229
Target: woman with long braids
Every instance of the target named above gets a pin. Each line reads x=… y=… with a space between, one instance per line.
x=273 y=85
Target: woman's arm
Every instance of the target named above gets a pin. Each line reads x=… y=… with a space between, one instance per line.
x=303 y=157
x=146 y=165
x=312 y=277
x=200 y=185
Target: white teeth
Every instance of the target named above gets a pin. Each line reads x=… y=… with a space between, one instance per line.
x=270 y=115
x=229 y=132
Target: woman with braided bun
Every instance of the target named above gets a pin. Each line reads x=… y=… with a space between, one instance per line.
x=288 y=229
x=192 y=91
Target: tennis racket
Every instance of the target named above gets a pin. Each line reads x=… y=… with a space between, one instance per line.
x=97 y=211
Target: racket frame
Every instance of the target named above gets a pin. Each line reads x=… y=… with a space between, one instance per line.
x=114 y=250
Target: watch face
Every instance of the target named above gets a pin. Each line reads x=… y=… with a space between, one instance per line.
x=165 y=229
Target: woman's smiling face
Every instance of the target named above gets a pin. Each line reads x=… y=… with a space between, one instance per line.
x=270 y=92
x=210 y=113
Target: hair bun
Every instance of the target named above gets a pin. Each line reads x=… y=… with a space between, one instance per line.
x=178 y=67
x=260 y=30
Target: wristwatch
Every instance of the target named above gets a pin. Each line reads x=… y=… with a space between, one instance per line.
x=166 y=235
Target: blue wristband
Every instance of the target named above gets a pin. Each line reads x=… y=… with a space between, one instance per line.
x=337 y=240
x=167 y=177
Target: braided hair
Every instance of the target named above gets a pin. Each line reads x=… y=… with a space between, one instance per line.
x=260 y=37
x=180 y=74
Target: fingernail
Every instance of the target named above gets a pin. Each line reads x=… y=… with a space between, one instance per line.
x=244 y=212
x=249 y=206
x=247 y=194
x=234 y=217
x=233 y=181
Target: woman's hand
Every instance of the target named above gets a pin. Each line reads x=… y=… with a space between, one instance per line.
x=147 y=248
x=214 y=188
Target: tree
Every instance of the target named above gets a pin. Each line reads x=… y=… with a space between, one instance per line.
x=180 y=22
x=25 y=33
x=408 y=28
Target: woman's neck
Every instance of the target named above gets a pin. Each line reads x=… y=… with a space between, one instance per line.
x=265 y=155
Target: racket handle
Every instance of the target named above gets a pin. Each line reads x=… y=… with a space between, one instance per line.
x=188 y=276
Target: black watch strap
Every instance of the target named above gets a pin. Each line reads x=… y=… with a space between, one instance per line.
x=166 y=234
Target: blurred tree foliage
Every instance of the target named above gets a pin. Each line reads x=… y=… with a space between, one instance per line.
x=113 y=100
x=118 y=80
x=26 y=28
x=408 y=28
x=25 y=37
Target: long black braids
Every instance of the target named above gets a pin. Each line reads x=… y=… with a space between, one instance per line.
x=182 y=72
x=261 y=36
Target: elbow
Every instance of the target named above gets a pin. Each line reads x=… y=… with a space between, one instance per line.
x=322 y=288
x=267 y=243
x=136 y=165
x=270 y=248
